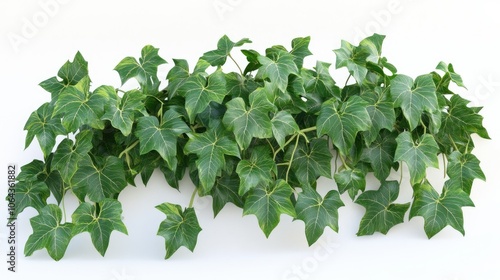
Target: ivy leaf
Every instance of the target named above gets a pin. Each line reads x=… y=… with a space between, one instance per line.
x=381 y=214
x=100 y=223
x=373 y=46
x=226 y=190
x=283 y=124
x=320 y=82
x=343 y=124
x=211 y=147
x=219 y=56
x=78 y=107
x=354 y=59
x=380 y=154
x=102 y=179
x=381 y=113
x=418 y=155
x=311 y=161
x=122 y=112
x=200 y=91
x=318 y=212
x=180 y=228
x=437 y=210
x=448 y=69
x=42 y=125
x=248 y=123
x=351 y=180
x=67 y=156
x=258 y=169
x=414 y=98
x=300 y=50
x=161 y=137
x=277 y=68
x=30 y=171
x=30 y=194
x=49 y=233
x=143 y=70
x=267 y=202
x=463 y=169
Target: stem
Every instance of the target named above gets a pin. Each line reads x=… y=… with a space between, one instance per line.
x=237 y=65
x=63 y=206
x=270 y=145
x=453 y=142
x=309 y=129
x=401 y=173
x=344 y=162
x=286 y=144
x=128 y=148
x=191 y=201
x=336 y=161
x=283 y=163
x=347 y=80
x=291 y=158
x=425 y=127
x=444 y=165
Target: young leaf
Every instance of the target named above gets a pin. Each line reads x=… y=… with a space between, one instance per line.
x=381 y=213
x=318 y=212
x=463 y=169
x=300 y=50
x=267 y=202
x=354 y=59
x=277 y=68
x=122 y=112
x=161 y=137
x=224 y=46
x=251 y=122
x=418 y=155
x=343 y=124
x=99 y=224
x=437 y=210
x=49 y=233
x=180 y=228
x=143 y=70
x=211 y=148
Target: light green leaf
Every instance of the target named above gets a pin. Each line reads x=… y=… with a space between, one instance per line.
x=49 y=233
x=144 y=70
x=343 y=124
x=283 y=124
x=463 y=169
x=277 y=68
x=122 y=113
x=267 y=202
x=381 y=214
x=414 y=98
x=351 y=180
x=219 y=56
x=311 y=161
x=45 y=127
x=180 y=228
x=211 y=147
x=318 y=212
x=418 y=154
x=161 y=137
x=99 y=224
x=437 y=210
x=258 y=169
x=250 y=122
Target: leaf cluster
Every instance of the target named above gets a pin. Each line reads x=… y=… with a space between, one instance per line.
x=259 y=138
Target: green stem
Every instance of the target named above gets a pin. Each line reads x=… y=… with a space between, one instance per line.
x=444 y=165
x=270 y=145
x=309 y=129
x=291 y=158
x=401 y=173
x=128 y=148
x=191 y=201
x=346 y=81
x=283 y=163
x=344 y=162
x=336 y=161
x=63 y=206
x=286 y=144
x=237 y=65
x=453 y=142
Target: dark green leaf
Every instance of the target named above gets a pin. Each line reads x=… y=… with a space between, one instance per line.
x=45 y=127
x=283 y=124
x=278 y=68
x=380 y=154
x=351 y=180
x=300 y=49
x=31 y=194
x=226 y=190
x=258 y=169
x=224 y=46
x=311 y=161
x=381 y=113
x=354 y=59
x=122 y=112
x=143 y=70
x=463 y=169
x=67 y=156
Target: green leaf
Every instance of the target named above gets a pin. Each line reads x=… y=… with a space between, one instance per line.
x=100 y=223
x=161 y=137
x=45 y=127
x=30 y=194
x=200 y=91
x=318 y=212
x=320 y=82
x=277 y=68
x=381 y=213
x=267 y=202
x=300 y=50
x=437 y=210
x=381 y=113
x=180 y=228
x=143 y=70
x=102 y=179
x=250 y=122
x=283 y=124
x=463 y=169
x=258 y=169
x=373 y=46
x=67 y=156
x=311 y=161
x=351 y=180
x=448 y=69
x=414 y=98
x=226 y=190
x=418 y=154
x=49 y=233
x=122 y=113
x=380 y=154
x=211 y=147
x=343 y=124
x=30 y=171
x=354 y=59
x=219 y=56
x=78 y=107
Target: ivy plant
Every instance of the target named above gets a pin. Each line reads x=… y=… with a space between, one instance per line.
x=259 y=138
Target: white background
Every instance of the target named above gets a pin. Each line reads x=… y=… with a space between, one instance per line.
x=37 y=39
